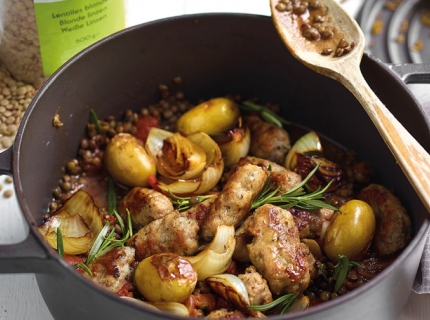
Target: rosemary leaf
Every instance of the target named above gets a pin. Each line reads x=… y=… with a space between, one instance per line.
x=341 y=270
x=60 y=246
x=94 y=120
x=271 y=118
x=111 y=196
x=130 y=226
x=287 y=304
x=120 y=220
x=97 y=244
x=286 y=301
x=185 y=203
x=84 y=267
x=107 y=245
x=267 y=114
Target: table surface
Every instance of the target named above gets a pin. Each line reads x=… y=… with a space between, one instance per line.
x=19 y=294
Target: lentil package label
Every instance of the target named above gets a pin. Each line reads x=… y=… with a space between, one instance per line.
x=65 y=27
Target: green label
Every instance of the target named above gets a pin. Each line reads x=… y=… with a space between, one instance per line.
x=65 y=27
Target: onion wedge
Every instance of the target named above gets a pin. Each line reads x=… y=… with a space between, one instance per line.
x=176 y=156
x=80 y=223
x=234 y=144
x=231 y=288
x=307 y=144
x=216 y=257
x=300 y=304
x=214 y=162
x=197 y=182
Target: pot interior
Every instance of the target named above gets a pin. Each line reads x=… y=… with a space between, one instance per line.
x=215 y=54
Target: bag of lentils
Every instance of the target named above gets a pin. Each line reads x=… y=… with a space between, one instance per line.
x=38 y=36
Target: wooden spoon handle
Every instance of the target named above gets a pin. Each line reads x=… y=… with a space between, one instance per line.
x=411 y=156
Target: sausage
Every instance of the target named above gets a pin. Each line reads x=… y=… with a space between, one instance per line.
x=172 y=233
x=234 y=201
x=256 y=286
x=393 y=225
x=145 y=205
x=276 y=250
x=111 y=270
x=267 y=140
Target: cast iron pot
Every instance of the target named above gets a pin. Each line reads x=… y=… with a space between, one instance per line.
x=215 y=54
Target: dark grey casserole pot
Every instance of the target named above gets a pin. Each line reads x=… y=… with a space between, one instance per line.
x=215 y=54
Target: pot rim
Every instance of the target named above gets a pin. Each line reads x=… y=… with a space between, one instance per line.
x=52 y=255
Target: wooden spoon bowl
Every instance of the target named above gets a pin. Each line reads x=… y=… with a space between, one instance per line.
x=293 y=23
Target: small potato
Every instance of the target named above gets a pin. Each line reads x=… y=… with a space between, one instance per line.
x=211 y=117
x=165 y=277
x=128 y=162
x=350 y=231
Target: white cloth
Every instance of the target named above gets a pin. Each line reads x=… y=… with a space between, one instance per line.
x=422 y=280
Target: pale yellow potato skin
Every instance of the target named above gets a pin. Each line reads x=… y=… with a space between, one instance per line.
x=165 y=277
x=128 y=162
x=211 y=117
x=350 y=231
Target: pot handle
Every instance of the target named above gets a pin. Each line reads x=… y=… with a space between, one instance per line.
x=412 y=72
x=6 y=161
x=27 y=256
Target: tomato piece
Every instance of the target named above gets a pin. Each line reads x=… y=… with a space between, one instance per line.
x=143 y=125
x=110 y=218
x=71 y=259
x=126 y=289
x=232 y=268
x=152 y=180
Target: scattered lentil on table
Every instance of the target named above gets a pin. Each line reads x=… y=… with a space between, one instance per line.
x=7 y=192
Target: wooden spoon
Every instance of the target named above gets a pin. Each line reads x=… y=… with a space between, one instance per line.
x=411 y=156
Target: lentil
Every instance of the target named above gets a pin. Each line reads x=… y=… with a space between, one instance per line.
x=311 y=34
x=8 y=194
x=327 y=51
x=324 y=296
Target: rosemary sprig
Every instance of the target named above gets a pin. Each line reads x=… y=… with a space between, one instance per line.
x=286 y=301
x=103 y=244
x=94 y=120
x=185 y=203
x=341 y=270
x=296 y=197
x=267 y=114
